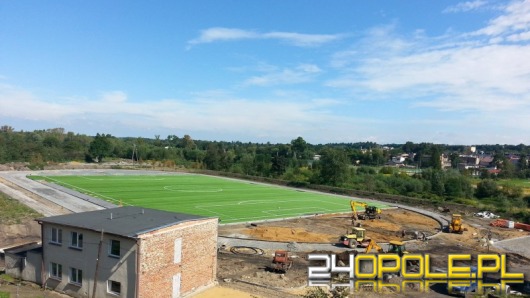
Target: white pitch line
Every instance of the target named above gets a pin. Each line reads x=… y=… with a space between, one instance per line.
x=168 y=188
x=86 y=190
x=220 y=214
x=121 y=179
x=262 y=202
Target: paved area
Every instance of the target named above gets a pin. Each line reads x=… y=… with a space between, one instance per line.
x=519 y=245
x=65 y=200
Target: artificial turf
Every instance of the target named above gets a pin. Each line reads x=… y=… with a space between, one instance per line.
x=230 y=200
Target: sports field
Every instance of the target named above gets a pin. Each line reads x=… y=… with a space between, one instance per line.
x=230 y=200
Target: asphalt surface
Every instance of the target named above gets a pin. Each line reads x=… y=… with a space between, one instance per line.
x=67 y=201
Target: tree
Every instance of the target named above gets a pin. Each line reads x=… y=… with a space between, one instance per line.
x=486 y=188
x=100 y=147
x=436 y=158
x=188 y=143
x=299 y=146
x=455 y=160
x=278 y=165
x=334 y=167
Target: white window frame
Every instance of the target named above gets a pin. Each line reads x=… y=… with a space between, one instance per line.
x=78 y=237
x=109 y=287
x=110 y=248
x=58 y=269
x=58 y=235
x=76 y=276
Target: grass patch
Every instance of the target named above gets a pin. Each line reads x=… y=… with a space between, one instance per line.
x=4 y=294
x=230 y=200
x=13 y=212
x=7 y=278
x=523 y=183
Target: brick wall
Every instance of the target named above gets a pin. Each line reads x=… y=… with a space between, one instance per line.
x=197 y=266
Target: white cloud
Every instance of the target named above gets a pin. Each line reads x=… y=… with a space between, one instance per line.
x=465 y=6
x=516 y=19
x=449 y=73
x=18 y=103
x=115 y=97
x=216 y=112
x=302 y=40
x=223 y=34
x=227 y=34
x=300 y=74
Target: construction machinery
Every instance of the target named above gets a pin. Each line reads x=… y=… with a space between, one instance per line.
x=370 y=212
x=456 y=224
x=356 y=238
x=394 y=247
x=281 y=262
x=373 y=245
x=397 y=247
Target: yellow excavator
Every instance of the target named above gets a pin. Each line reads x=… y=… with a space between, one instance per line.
x=370 y=212
x=394 y=247
x=456 y=224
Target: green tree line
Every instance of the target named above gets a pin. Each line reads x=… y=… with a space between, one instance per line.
x=358 y=166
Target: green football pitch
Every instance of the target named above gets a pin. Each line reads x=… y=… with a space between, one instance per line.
x=230 y=200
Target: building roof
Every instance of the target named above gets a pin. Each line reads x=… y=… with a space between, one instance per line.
x=124 y=221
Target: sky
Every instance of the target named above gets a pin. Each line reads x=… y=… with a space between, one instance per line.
x=448 y=72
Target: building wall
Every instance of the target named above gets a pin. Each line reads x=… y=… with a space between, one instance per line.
x=165 y=273
x=120 y=269
x=25 y=266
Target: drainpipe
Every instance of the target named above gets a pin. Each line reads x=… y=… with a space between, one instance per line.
x=138 y=255
x=43 y=278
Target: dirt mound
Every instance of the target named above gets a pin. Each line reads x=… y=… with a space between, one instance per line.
x=27 y=231
x=287 y=234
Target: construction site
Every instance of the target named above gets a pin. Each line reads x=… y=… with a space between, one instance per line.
x=270 y=258
x=250 y=268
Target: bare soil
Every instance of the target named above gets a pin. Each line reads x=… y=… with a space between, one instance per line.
x=329 y=228
x=253 y=274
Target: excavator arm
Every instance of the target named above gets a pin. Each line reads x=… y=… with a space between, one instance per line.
x=354 y=205
x=373 y=245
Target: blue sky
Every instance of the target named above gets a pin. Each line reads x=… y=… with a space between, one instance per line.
x=454 y=72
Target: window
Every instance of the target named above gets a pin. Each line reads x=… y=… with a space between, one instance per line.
x=57 y=236
x=114 y=287
x=56 y=270
x=76 y=276
x=114 y=248
x=77 y=240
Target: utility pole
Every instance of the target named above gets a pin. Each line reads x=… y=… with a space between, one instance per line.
x=97 y=265
x=135 y=152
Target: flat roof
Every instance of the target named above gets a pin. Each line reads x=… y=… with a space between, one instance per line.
x=126 y=221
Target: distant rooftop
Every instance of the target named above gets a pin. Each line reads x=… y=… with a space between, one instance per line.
x=124 y=221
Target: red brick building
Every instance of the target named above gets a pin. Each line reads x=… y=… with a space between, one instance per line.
x=129 y=252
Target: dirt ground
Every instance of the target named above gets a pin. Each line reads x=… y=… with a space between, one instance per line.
x=329 y=228
x=253 y=274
